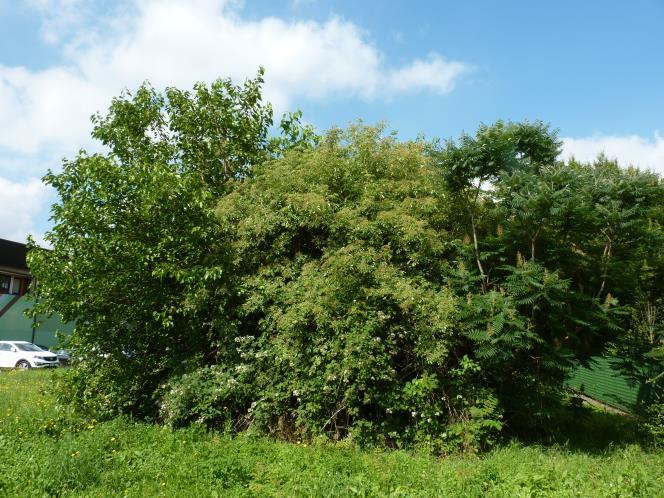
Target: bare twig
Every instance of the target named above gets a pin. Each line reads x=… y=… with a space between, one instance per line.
x=337 y=411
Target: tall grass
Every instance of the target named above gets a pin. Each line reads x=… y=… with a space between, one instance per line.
x=46 y=450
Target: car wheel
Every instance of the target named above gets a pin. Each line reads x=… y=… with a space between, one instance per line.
x=23 y=364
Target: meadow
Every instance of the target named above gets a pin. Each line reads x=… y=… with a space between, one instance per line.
x=46 y=450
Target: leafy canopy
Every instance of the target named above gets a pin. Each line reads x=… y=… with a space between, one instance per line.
x=352 y=285
x=136 y=258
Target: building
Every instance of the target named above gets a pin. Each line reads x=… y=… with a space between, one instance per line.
x=14 y=273
x=15 y=281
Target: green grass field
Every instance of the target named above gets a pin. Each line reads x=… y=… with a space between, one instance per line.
x=47 y=451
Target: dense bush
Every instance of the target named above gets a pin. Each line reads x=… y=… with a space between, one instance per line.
x=359 y=311
x=353 y=285
x=347 y=324
x=641 y=354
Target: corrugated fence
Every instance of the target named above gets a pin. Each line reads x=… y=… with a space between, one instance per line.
x=603 y=382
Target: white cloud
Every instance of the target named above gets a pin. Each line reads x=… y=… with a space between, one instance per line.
x=21 y=201
x=628 y=150
x=46 y=109
x=44 y=114
x=58 y=16
x=179 y=42
x=434 y=74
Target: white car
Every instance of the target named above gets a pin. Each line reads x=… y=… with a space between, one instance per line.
x=22 y=354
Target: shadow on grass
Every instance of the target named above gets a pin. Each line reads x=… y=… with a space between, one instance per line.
x=587 y=429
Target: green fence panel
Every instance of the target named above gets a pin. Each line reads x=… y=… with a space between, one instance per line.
x=601 y=381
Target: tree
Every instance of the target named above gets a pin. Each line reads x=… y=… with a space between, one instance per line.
x=348 y=325
x=474 y=163
x=559 y=249
x=135 y=259
x=352 y=285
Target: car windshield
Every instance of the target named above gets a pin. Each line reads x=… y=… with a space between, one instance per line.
x=26 y=346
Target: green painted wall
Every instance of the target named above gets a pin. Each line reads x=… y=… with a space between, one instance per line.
x=602 y=382
x=14 y=325
x=4 y=299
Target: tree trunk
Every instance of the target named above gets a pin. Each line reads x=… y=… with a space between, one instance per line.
x=606 y=256
x=477 y=251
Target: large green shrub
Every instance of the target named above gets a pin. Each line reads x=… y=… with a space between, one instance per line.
x=351 y=285
x=136 y=259
x=359 y=313
x=347 y=323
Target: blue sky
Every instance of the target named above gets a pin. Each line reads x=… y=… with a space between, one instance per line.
x=592 y=69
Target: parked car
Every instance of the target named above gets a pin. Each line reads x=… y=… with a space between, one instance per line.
x=63 y=356
x=23 y=354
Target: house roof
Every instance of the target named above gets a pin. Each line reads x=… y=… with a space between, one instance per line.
x=12 y=255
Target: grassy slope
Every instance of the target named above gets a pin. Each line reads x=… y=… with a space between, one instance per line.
x=43 y=452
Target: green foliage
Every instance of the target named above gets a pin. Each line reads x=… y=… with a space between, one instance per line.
x=135 y=258
x=495 y=151
x=348 y=285
x=215 y=133
x=641 y=354
x=347 y=324
x=294 y=135
x=653 y=423
x=208 y=396
x=586 y=238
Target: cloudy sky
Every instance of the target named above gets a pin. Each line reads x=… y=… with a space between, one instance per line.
x=592 y=69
